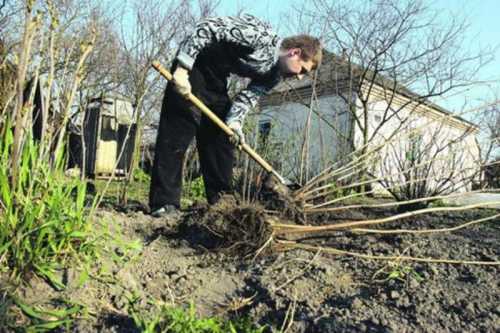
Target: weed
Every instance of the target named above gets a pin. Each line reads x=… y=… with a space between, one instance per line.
x=42 y=217
x=193 y=191
x=397 y=271
x=141 y=176
x=179 y=320
x=34 y=318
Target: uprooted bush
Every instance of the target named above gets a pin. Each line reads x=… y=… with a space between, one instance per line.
x=230 y=226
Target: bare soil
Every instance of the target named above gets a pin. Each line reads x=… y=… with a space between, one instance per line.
x=206 y=257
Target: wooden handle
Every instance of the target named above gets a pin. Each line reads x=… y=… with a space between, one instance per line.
x=206 y=111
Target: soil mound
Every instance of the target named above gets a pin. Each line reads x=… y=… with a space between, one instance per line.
x=240 y=229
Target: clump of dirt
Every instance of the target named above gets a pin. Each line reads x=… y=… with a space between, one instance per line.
x=240 y=229
x=278 y=197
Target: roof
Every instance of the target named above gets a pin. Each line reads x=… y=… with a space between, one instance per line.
x=335 y=69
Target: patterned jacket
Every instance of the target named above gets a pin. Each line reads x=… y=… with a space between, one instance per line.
x=252 y=50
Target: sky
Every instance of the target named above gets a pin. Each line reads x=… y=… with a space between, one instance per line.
x=483 y=31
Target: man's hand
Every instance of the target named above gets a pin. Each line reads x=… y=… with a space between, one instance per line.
x=181 y=79
x=239 y=138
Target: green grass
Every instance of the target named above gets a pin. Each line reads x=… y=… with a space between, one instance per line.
x=397 y=271
x=138 y=189
x=179 y=320
x=19 y=316
x=192 y=191
x=43 y=221
x=36 y=318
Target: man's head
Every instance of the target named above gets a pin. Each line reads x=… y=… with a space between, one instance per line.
x=299 y=55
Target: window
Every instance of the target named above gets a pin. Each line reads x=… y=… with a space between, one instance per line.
x=108 y=128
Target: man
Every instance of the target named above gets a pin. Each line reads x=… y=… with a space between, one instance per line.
x=244 y=46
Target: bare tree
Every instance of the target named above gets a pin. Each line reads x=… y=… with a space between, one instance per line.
x=43 y=48
x=489 y=140
x=389 y=59
x=489 y=143
x=20 y=114
x=157 y=28
x=105 y=70
x=7 y=81
x=8 y=12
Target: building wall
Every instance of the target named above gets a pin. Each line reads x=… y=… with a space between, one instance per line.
x=436 y=146
x=428 y=132
x=329 y=133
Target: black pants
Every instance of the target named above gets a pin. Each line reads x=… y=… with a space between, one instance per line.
x=180 y=122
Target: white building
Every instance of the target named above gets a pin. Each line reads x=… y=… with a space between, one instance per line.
x=326 y=115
